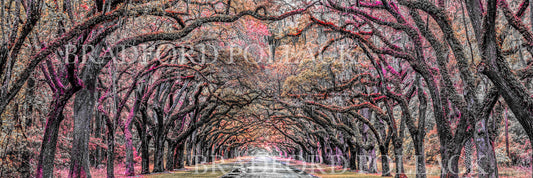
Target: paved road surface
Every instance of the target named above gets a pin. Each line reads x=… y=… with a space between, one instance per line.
x=266 y=167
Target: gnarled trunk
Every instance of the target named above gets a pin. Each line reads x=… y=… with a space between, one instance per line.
x=385 y=169
x=159 y=142
x=497 y=70
x=353 y=157
x=171 y=148
x=83 y=114
x=450 y=161
x=110 y=147
x=486 y=158
x=398 y=160
x=420 y=159
x=130 y=169
x=178 y=156
x=372 y=166
x=145 y=156
x=45 y=166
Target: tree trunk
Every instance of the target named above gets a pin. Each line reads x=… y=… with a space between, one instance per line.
x=365 y=159
x=362 y=159
x=468 y=158
x=450 y=161
x=178 y=156
x=198 y=158
x=398 y=161
x=353 y=158
x=189 y=155
x=130 y=169
x=507 y=133
x=83 y=114
x=486 y=158
x=110 y=148
x=420 y=159
x=145 y=157
x=385 y=169
x=211 y=154
x=324 y=157
x=496 y=68
x=45 y=166
x=171 y=148
x=372 y=167
x=159 y=143
x=97 y=134
x=352 y=155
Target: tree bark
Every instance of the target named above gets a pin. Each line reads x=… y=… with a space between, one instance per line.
x=385 y=169
x=372 y=166
x=362 y=159
x=171 y=149
x=486 y=158
x=145 y=156
x=398 y=161
x=420 y=159
x=84 y=104
x=418 y=134
x=159 y=142
x=130 y=169
x=97 y=156
x=45 y=166
x=468 y=150
x=128 y=136
x=507 y=134
x=110 y=147
x=189 y=148
x=178 y=157
x=324 y=157
x=353 y=156
x=510 y=88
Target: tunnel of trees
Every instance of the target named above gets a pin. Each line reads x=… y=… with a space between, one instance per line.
x=382 y=84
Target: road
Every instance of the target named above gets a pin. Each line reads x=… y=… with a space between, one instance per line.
x=265 y=167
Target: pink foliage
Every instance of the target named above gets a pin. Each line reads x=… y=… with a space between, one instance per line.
x=256 y=30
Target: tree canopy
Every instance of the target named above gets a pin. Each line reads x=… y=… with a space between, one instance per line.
x=169 y=83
